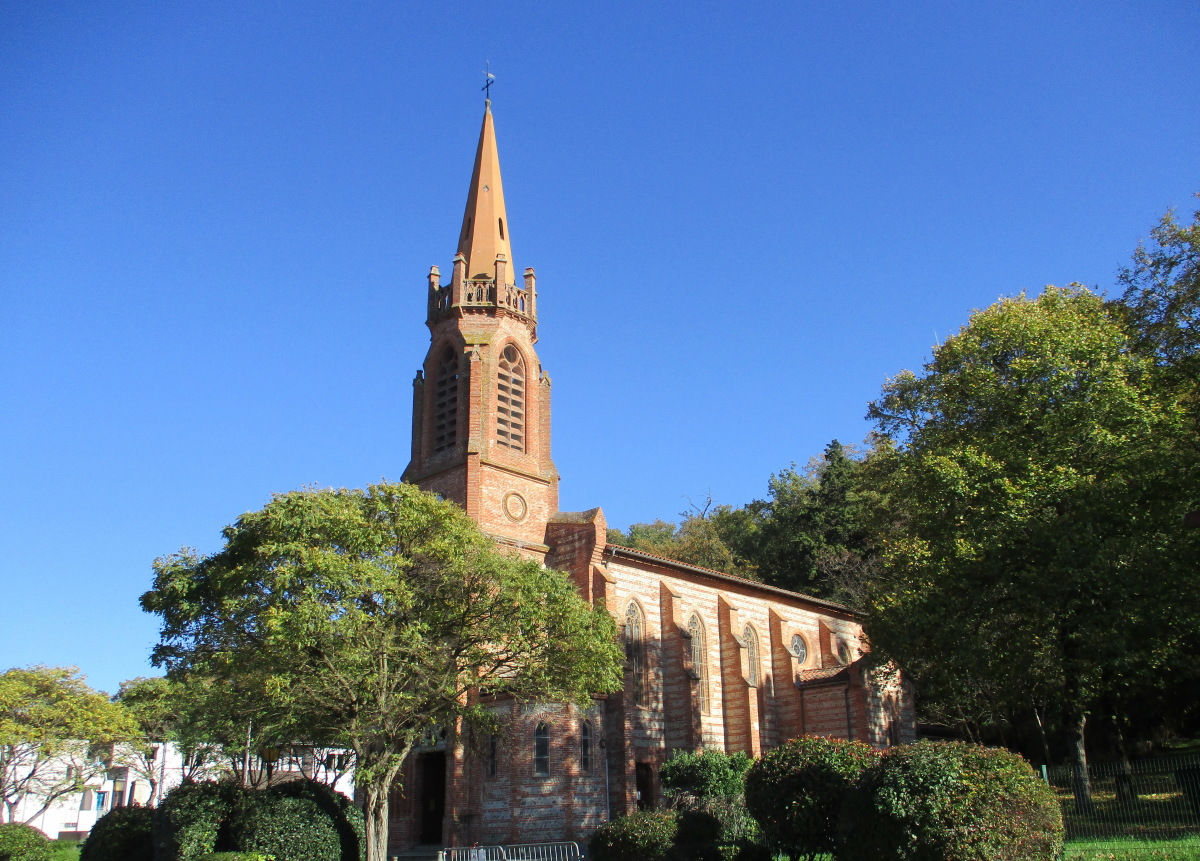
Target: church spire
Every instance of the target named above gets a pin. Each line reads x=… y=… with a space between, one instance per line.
x=485 y=223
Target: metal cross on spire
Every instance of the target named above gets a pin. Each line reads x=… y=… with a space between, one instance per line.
x=488 y=80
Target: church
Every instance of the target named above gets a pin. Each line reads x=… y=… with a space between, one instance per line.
x=713 y=661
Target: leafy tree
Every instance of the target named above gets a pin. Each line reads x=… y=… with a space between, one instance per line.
x=1033 y=500
x=813 y=535
x=1162 y=295
x=162 y=707
x=368 y=619
x=700 y=538
x=55 y=735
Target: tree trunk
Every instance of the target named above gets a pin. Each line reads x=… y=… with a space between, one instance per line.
x=375 y=814
x=376 y=799
x=1126 y=790
x=1037 y=716
x=1081 y=784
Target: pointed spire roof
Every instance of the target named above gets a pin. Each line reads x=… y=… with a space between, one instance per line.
x=485 y=222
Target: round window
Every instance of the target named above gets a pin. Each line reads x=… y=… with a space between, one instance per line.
x=799 y=648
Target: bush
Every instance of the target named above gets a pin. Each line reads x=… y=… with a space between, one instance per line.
x=288 y=829
x=122 y=834
x=345 y=816
x=19 y=842
x=300 y=820
x=235 y=856
x=711 y=774
x=642 y=836
x=951 y=801
x=194 y=819
x=796 y=791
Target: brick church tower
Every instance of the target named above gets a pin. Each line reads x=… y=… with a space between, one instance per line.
x=481 y=403
x=714 y=661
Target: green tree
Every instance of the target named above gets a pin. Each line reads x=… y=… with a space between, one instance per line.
x=167 y=711
x=1032 y=502
x=1162 y=296
x=369 y=619
x=56 y=734
x=812 y=534
x=700 y=538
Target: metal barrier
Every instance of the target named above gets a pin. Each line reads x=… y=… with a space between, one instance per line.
x=514 y=852
x=1148 y=799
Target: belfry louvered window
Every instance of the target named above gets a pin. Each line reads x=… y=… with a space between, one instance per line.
x=635 y=651
x=510 y=399
x=699 y=658
x=445 y=402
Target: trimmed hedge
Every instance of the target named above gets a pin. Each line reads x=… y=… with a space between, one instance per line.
x=235 y=856
x=951 y=801
x=288 y=829
x=710 y=774
x=345 y=815
x=20 y=842
x=122 y=834
x=797 y=791
x=300 y=820
x=642 y=836
x=188 y=823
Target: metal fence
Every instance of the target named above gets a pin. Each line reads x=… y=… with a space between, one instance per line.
x=1148 y=799
x=516 y=852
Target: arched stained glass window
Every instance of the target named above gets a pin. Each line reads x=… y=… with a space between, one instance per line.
x=635 y=650
x=510 y=399
x=541 y=749
x=751 y=638
x=699 y=658
x=445 y=402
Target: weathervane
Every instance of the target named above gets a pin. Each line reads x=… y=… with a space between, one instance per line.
x=487 y=83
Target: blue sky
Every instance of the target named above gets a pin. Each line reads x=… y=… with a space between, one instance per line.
x=216 y=220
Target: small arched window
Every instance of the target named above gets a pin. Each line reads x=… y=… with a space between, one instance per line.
x=541 y=749
x=510 y=399
x=585 y=747
x=699 y=658
x=751 y=638
x=635 y=650
x=445 y=402
x=493 y=755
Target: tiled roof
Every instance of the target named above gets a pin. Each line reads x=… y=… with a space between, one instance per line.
x=632 y=553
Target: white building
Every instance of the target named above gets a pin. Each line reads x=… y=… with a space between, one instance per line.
x=134 y=777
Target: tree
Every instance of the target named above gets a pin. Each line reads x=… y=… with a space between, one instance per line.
x=811 y=535
x=56 y=734
x=1162 y=295
x=369 y=619
x=700 y=538
x=1033 y=497
x=166 y=711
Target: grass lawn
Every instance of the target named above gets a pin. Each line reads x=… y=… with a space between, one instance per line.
x=1133 y=849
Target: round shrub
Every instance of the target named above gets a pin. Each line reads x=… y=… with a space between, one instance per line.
x=797 y=790
x=194 y=819
x=642 y=836
x=951 y=801
x=122 y=834
x=345 y=816
x=20 y=842
x=288 y=829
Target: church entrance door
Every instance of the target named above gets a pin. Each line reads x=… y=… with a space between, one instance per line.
x=644 y=776
x=432 y=768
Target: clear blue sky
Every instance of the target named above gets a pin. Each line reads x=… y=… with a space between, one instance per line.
x=216 y=220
